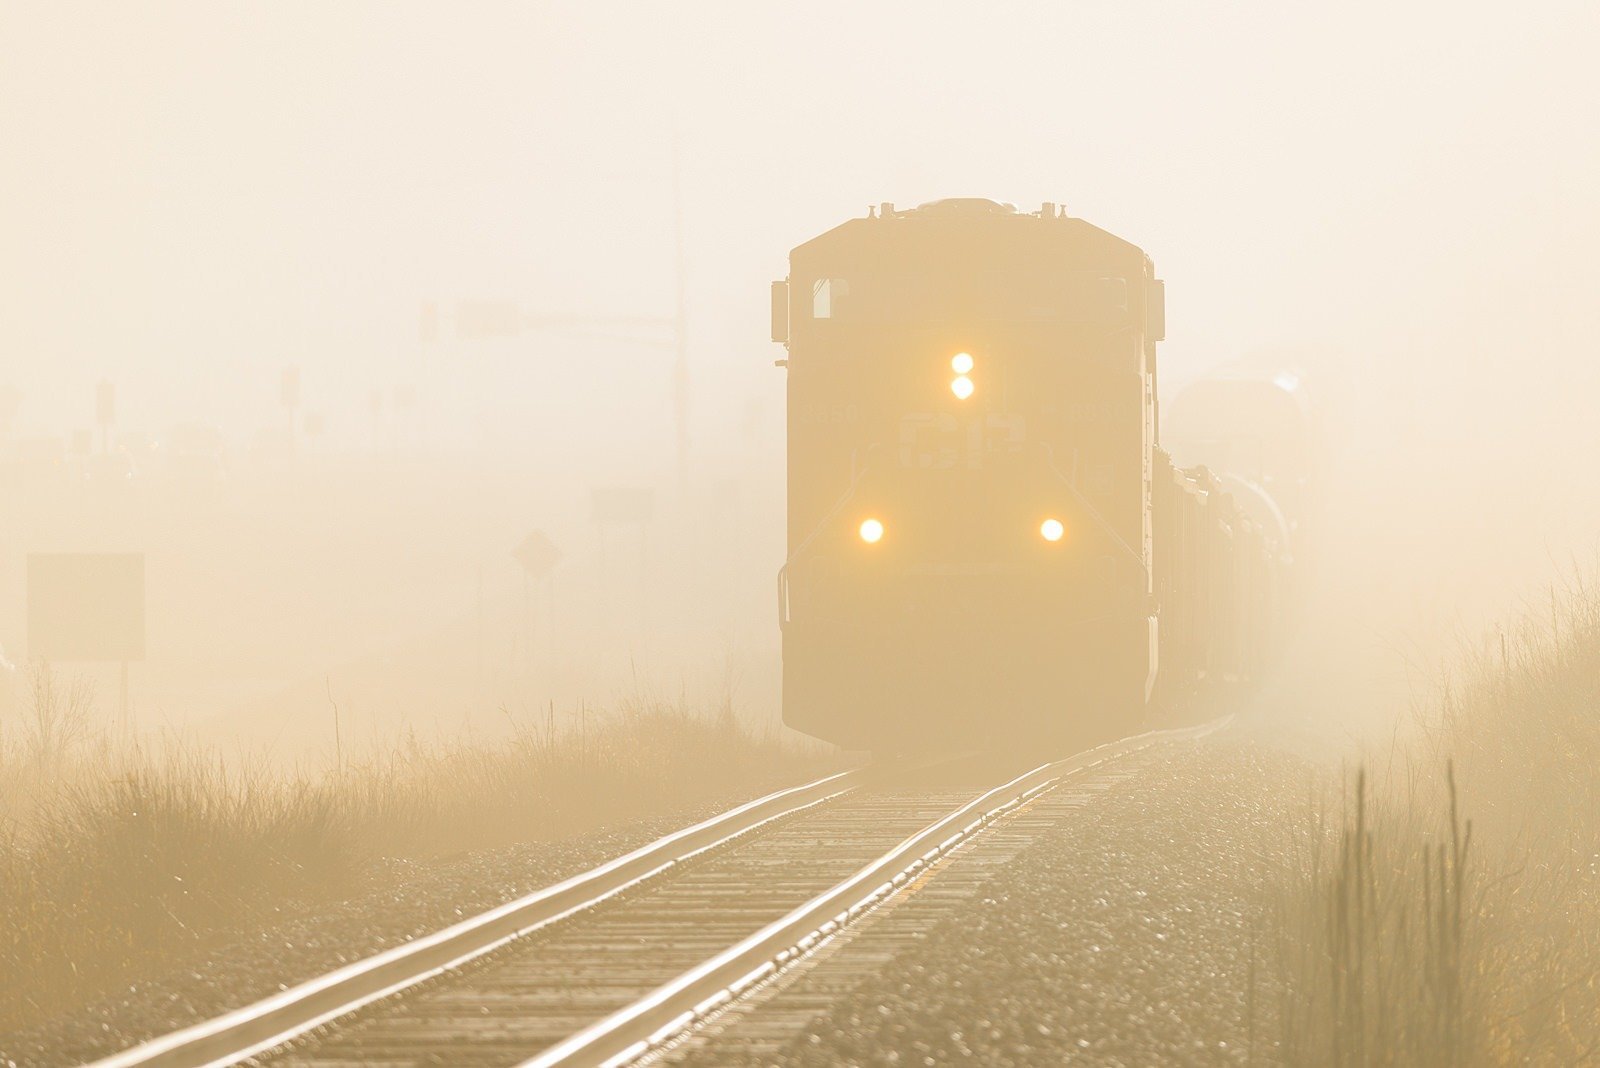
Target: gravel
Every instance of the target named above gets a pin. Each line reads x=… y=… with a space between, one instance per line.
x=399 y=901
x=1123 y=936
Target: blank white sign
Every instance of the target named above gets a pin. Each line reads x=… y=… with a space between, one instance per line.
x=86 y=606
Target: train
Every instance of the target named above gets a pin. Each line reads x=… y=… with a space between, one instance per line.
x=986 y=543
x=1254 y=422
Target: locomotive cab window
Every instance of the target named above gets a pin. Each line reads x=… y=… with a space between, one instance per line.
x=829 y=298
x=1091 y=297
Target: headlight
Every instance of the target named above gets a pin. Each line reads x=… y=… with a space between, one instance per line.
x=961 y=363
x=1052 y=530
x=962 y=387
x=871 y=531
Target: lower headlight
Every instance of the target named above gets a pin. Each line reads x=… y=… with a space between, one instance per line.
x=1052 y=530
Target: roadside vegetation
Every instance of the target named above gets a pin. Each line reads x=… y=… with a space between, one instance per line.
x=1444 y=906
x=117 y=861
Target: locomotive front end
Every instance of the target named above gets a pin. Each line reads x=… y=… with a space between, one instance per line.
x=970 y=432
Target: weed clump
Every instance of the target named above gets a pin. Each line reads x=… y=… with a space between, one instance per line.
x=1411 y=935
x=116 y=861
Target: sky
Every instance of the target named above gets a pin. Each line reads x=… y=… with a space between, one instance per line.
x=197 y=195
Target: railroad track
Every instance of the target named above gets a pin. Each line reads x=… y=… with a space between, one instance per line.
x=707 y=944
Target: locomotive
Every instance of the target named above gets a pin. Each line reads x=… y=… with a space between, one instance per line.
x=986 y=544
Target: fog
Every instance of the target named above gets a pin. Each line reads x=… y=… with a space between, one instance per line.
x=1397 y=199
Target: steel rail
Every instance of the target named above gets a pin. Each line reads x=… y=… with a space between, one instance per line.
x=676 y=1007
x=275 y=1020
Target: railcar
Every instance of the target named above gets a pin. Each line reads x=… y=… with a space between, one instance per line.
x=986 y=544
x=1254 y=423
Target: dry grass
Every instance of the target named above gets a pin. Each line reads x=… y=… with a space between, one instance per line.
x=1410 y=935
x=1375 y=940
x=115 y=861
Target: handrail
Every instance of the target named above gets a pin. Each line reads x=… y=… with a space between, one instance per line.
x=856 y=475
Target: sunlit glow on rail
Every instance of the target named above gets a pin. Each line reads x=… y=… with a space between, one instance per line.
x=871 y=531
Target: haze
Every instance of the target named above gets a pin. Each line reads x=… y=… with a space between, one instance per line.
x=1398 y=199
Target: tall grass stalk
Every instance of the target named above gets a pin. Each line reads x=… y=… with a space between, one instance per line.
x=1388 y=920
x=1410 y=935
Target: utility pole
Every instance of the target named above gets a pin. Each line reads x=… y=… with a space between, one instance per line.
x=680 y=372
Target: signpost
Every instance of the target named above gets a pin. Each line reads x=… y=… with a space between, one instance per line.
x=87 y=607
x=538 y=556
x=105 y=412
x=627 y=506
x=621 y=504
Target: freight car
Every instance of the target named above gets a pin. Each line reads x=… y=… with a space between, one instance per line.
x=985 y=543
x=1253 y=422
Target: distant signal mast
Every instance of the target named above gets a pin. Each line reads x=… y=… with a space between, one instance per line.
x=479 y=320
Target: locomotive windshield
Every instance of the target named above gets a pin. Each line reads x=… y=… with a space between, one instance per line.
x=1073 y=296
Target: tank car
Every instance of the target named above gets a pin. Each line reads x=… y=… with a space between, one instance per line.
x=1253 y=422
x=982 y=529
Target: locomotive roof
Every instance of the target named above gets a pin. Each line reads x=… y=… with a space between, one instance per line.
x=963 y=215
